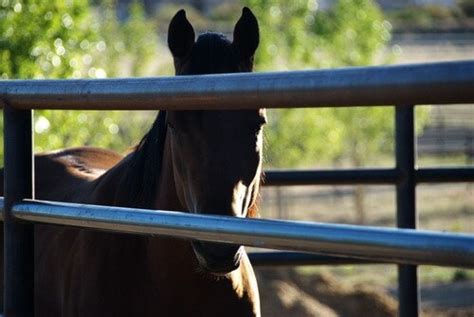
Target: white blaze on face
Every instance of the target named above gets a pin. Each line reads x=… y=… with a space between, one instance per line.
x=239 y=198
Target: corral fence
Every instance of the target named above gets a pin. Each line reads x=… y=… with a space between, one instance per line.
x=403 y=86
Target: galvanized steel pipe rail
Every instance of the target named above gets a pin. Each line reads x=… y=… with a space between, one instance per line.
x=279 y=258
x=389 y=176
x=380 y=244
x=401 y=85
x=435 y=83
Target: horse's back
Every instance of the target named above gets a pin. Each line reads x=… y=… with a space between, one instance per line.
x=89 y=159
x=59 y=174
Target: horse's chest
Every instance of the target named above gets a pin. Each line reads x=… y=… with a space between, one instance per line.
x=78 y=269
x=103 y=274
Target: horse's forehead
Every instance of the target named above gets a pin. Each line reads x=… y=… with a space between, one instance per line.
x=214 y=116
x=212 y=53
x=233 y=117
x=211 y=42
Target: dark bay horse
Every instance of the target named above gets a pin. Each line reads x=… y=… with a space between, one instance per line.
x=199 y=161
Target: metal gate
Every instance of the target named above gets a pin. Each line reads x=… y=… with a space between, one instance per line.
x=403 y=86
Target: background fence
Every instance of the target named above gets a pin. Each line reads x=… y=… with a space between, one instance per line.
x=404 y=86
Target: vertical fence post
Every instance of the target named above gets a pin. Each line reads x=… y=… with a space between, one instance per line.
x=18 y=237
x=408 y=291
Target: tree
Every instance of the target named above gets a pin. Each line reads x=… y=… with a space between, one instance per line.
x=131 y=47
x=57 y=39
x=297 y=35
x=44 y=39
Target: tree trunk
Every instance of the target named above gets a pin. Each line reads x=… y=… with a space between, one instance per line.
x=359 y=190
x=280 y=203
x=359 y=193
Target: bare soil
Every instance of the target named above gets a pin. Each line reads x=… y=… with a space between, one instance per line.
x=285 y=292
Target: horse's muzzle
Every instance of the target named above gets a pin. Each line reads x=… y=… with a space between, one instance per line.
x=218 y=258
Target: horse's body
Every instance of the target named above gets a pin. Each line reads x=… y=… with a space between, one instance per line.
x=181 y=164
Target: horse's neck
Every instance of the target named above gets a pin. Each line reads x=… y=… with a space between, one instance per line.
x=166 y=193
x=108 y=189
x=115 y=188
x=171 y=262
x=111 y=189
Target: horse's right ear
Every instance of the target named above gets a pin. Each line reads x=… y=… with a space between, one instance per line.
x=180 y=35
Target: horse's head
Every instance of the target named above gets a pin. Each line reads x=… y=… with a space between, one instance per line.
x=217 y=155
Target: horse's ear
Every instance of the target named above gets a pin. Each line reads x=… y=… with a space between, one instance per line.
x=246 y=34
x=180 y=35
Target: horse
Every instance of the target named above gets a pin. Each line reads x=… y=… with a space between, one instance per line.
x=206 y=161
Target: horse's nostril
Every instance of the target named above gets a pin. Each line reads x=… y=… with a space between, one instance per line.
x=217 y=257
x=217 y=250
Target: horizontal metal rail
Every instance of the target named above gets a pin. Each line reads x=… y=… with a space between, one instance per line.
x=282 y=258
x=364 y=176
x=444 y=175
x=330 y=177
x=372 y=243
x=338 y=177
x=435 y=83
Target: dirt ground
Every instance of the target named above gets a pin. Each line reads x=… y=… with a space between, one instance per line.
x=285 y=292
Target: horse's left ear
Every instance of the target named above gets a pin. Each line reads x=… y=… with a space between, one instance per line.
x=180 y=35
x=246 y=34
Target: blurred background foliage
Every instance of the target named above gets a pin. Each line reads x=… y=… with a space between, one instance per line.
x=296 y=35
x=78 y=39
x=72 y=39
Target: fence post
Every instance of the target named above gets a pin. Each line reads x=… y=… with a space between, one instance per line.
x=408 y=290
x=18 y=237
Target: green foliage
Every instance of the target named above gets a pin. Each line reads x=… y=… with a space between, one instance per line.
x=352 y=32
x=297 y=35
x=116 y=130
x=227 y=13
x=296 y=137
x=140 y=43
x=167 y=11
x=43 y=39
x=130 y=48
x=58 y=39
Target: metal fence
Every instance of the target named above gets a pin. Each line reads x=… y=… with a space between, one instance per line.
x=403 y=86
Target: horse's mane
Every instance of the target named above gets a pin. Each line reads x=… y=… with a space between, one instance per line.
x=141 y=178
x=253 y=211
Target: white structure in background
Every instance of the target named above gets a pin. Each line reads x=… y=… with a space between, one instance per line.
x=398 y=4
